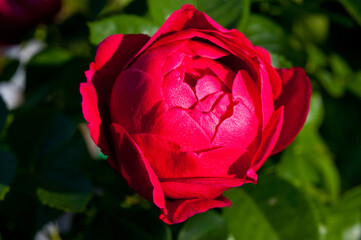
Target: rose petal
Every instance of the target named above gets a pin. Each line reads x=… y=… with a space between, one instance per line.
x=190 y=18
x=158 y=61
x=206 y=85
x=134 y=95
x=135 y=168
x=207 y=121
x=208 y=66
x=208 y=103
x=170 y=163
x=203 y=49
x=173 y=61
x=269 y=139
x=92 y=116
x=263 y=53
x=178 y=126
x=178 y=93
x=295 y=98
x=275 y=80
x=166 y=157
x=208 y=187
x=245 y=90
x=181 y=210
x=229 y=161
x=239 y=129
x=266 y=95
x=112 y=55
x=222 y=107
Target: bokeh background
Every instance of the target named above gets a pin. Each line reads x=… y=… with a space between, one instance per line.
x=55 y=184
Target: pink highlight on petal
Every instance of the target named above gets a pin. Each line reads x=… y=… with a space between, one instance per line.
x=178 y=126
x=245 y=90
x=207 y=121
x=178 y=94
x=239 y=129
x=207 y=85
x=208 y=103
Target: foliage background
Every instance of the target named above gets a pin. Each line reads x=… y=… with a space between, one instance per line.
x=53 y=184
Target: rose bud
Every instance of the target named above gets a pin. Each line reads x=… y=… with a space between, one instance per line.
x=17 y=17
x=191 y=112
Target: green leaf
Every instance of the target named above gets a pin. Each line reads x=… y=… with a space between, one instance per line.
x=51 y=57
x=354 y=9
x=7 y=171
x=340 y=67
x=74 y=202
x=316 y=58
x=312 y=27
x=205 y=226
x=224 y=12
x=344 y=221
x=228 y=13
x=34 y=133
x=307 y=162
x=120 y=24
x=3 y=113
x=354 y=85
x=316 y=113
x=271 y=210
x=49 y=146
x=63 y=183
x=280 y=61
x=264 y=32
x=160 y=10
x=334 y=85
x=335 y=81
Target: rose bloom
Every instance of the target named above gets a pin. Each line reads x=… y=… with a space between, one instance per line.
x=18 y=16
x=191 y=112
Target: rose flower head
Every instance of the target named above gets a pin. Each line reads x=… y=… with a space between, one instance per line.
x=191 y=112
x=19 y=16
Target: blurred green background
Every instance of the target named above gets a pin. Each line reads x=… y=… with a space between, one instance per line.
x=55 y=185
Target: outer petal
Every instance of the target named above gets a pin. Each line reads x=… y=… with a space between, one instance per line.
x=91 y=112
x=181 y=210
x=207 y=187
x=135 y=168
x=169 y=162
x=112 y=55
x=269 y=139
x=295 y=97
x=190 y=18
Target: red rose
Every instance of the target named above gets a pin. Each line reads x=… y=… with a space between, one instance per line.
x=190 y=112
x=18 y=16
